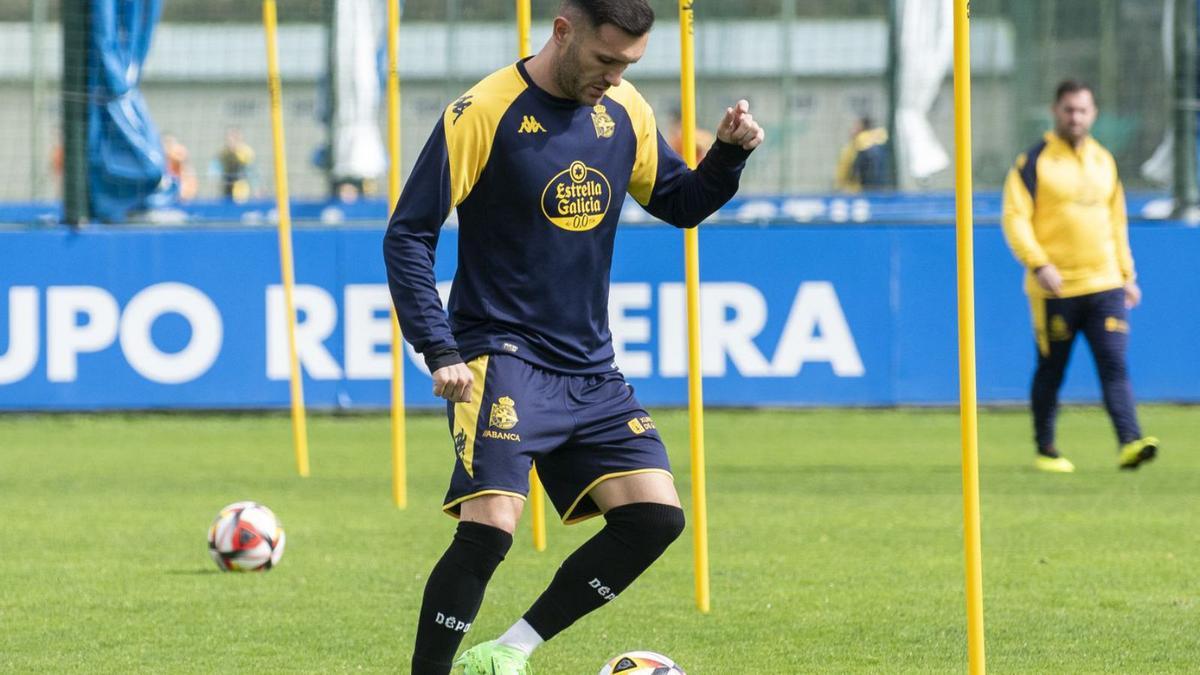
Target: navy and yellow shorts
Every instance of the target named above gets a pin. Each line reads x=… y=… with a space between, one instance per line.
x=580 y=429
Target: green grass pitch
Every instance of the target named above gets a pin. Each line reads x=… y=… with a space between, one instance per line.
x=835 y=546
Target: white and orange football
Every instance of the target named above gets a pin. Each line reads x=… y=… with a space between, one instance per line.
x=246 y=537
x=641 y=663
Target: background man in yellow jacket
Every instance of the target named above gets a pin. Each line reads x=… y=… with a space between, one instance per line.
x=863 y=164
x=1064 y=218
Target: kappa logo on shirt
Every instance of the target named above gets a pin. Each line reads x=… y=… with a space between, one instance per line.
x=530 y=125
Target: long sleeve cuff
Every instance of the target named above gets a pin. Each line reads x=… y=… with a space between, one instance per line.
x=1035 y=260
x=727 y=155
x=442 y=358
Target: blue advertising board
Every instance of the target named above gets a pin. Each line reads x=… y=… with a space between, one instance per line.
x=816 y=315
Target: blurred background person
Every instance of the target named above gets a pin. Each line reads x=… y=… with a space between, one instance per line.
x=704 y=137
x=235 y=164
x=1064 y=219
x=863 y=163
x=179 y=169
x=56 y=161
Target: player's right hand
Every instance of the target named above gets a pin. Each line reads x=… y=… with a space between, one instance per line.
x=453 y=383
x=738 y=127
x=1049 y=279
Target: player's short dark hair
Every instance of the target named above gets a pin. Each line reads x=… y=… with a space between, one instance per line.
x=632 y=16
x=1071 y=86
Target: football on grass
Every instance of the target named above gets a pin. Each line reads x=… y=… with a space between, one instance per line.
x=641 y=663
x=246 y=537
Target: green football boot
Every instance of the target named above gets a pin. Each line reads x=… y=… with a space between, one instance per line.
x=493 y=658
x=1135 y=453
x=1053 y=464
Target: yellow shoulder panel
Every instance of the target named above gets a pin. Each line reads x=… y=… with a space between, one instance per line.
x=470 y=123
x=645 y=161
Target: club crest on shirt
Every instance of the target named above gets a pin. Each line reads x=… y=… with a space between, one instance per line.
x=504 y=413
x=577 y=198
x=602 y=121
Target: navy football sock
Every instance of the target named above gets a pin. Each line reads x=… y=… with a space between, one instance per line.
x=454 y=593
x=633 y=537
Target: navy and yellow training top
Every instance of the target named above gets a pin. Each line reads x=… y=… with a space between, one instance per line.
x=1065 y=206
x=538 y=182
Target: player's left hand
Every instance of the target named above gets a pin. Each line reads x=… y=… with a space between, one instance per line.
x=1133 y=295
x=739 y=128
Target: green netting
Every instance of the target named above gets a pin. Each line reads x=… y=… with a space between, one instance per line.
x=809 y=67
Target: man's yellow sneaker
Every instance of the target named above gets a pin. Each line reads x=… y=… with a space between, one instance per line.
x=1135 y=453
x=493 y=658
x=1053 y=464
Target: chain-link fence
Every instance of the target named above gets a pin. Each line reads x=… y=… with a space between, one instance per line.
x=811 y=68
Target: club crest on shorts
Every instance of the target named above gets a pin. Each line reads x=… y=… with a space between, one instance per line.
x=602 y=121
x=504 y=413
x=1058 y=328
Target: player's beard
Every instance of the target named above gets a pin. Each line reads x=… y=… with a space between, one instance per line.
x=1073 y=135
x=567 y=73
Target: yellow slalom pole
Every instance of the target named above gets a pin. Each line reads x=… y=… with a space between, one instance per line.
x=691 y=243
x=399 y=447
x=299 y=426
x=537 y=496
x=537 y=503
x=966 y=336
x=524 y=17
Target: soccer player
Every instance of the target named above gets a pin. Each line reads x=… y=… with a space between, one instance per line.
x=1064 y=218
x=537 y=158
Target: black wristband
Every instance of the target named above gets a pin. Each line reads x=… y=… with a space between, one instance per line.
x=442 y=358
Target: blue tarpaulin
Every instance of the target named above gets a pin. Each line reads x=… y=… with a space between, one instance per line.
x=125 y=155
